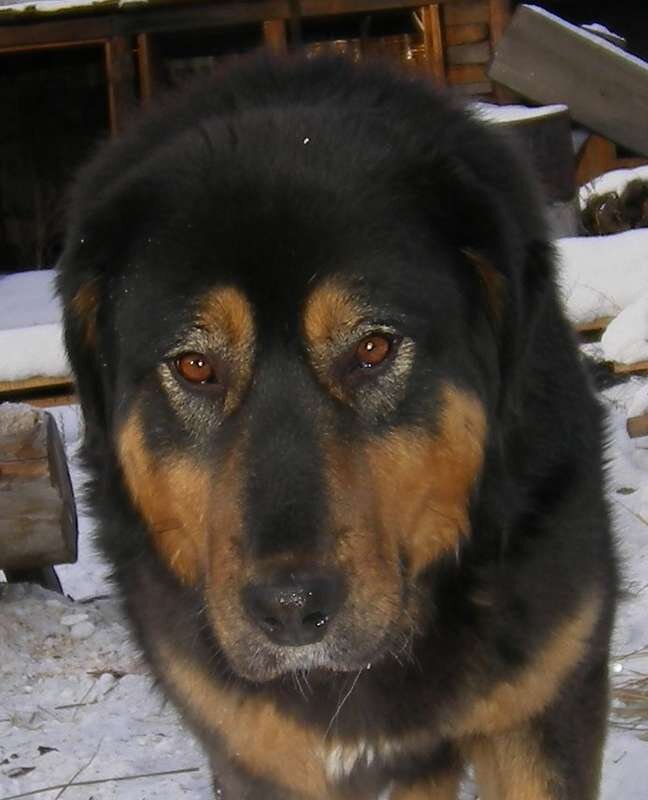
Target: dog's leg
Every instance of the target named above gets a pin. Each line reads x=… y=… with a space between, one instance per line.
x=557 y=756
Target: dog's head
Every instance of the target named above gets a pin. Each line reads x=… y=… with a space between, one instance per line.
x=296 y=305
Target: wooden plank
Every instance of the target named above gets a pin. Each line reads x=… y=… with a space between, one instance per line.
x=550 y=61
x=433 y=42
x=37 y=383
x=120 y=77
x=38 y=525
x=465 y=34
x=467 y=73
x=624 y=369
x=478 y=53
x=466 y=12
x=22 y=48
x=637 y=426
x=274 y=35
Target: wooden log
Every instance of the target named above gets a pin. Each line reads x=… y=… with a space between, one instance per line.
x=478 y=53
x=546 y=59
x=637 y=426
x=38 y=524
x=466 y=34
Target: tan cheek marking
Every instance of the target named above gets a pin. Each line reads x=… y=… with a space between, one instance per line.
x=511 y=704
x=228 y=572
x=258 y=737
x=493 y=282
x=367 y=554
x=84 y=306
x=330 y=312
x=511 y=766
x=422 y=482
x=226 y=313
x=171 y=495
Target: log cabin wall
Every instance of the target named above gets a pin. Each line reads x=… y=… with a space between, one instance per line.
x=98 y=66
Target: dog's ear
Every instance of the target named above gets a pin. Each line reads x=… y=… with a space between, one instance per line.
x=486 y=204
x=83 y=297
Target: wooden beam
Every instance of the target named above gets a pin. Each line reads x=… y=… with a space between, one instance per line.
x=120 y=77
x=467 y=12
x=548 y=60
x=149 y=68
x=500 y=17
x=433 y=42
x=274 y=35
x=596 y=156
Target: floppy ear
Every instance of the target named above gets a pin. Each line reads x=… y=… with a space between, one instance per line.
x=488 y=207
x=83 y=295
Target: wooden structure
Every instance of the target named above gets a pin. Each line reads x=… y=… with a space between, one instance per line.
x=38 y=524
x=454 y=46
x=547 y=60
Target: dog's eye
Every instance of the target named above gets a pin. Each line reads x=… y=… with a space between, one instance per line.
x=195 y=368
x=373 y=350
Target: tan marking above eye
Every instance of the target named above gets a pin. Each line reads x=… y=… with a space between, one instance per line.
x=196 y=368
x=373 y=350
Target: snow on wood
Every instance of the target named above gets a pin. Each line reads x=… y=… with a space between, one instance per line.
x=614 y=181
x=548 y=60
x=31 y=333
x=599 y=276
x=626 y=338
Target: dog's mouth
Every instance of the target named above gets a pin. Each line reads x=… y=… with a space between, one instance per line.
x=349 y=646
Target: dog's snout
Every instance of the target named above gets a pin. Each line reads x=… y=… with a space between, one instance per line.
x=296 y=611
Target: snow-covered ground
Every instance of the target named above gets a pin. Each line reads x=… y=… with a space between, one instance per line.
x=80 y=718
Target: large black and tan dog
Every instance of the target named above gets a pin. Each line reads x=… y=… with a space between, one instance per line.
x=345 y=460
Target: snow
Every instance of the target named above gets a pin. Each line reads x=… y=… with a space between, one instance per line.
x=489 y=112
x=84 y=710
x=626 y=338
x=614 y=181
x=599 y=276
x=31 y=333
x=54 y=6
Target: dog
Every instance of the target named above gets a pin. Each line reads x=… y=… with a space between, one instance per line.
x=344 y=458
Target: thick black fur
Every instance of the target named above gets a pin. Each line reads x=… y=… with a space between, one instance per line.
x=398 y=187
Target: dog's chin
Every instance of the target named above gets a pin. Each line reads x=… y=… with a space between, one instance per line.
x=266 y=662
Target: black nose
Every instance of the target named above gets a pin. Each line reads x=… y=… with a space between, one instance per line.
x=296 y=609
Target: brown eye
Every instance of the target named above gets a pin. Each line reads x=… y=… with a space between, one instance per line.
x=195 y=368
x=373 y=350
